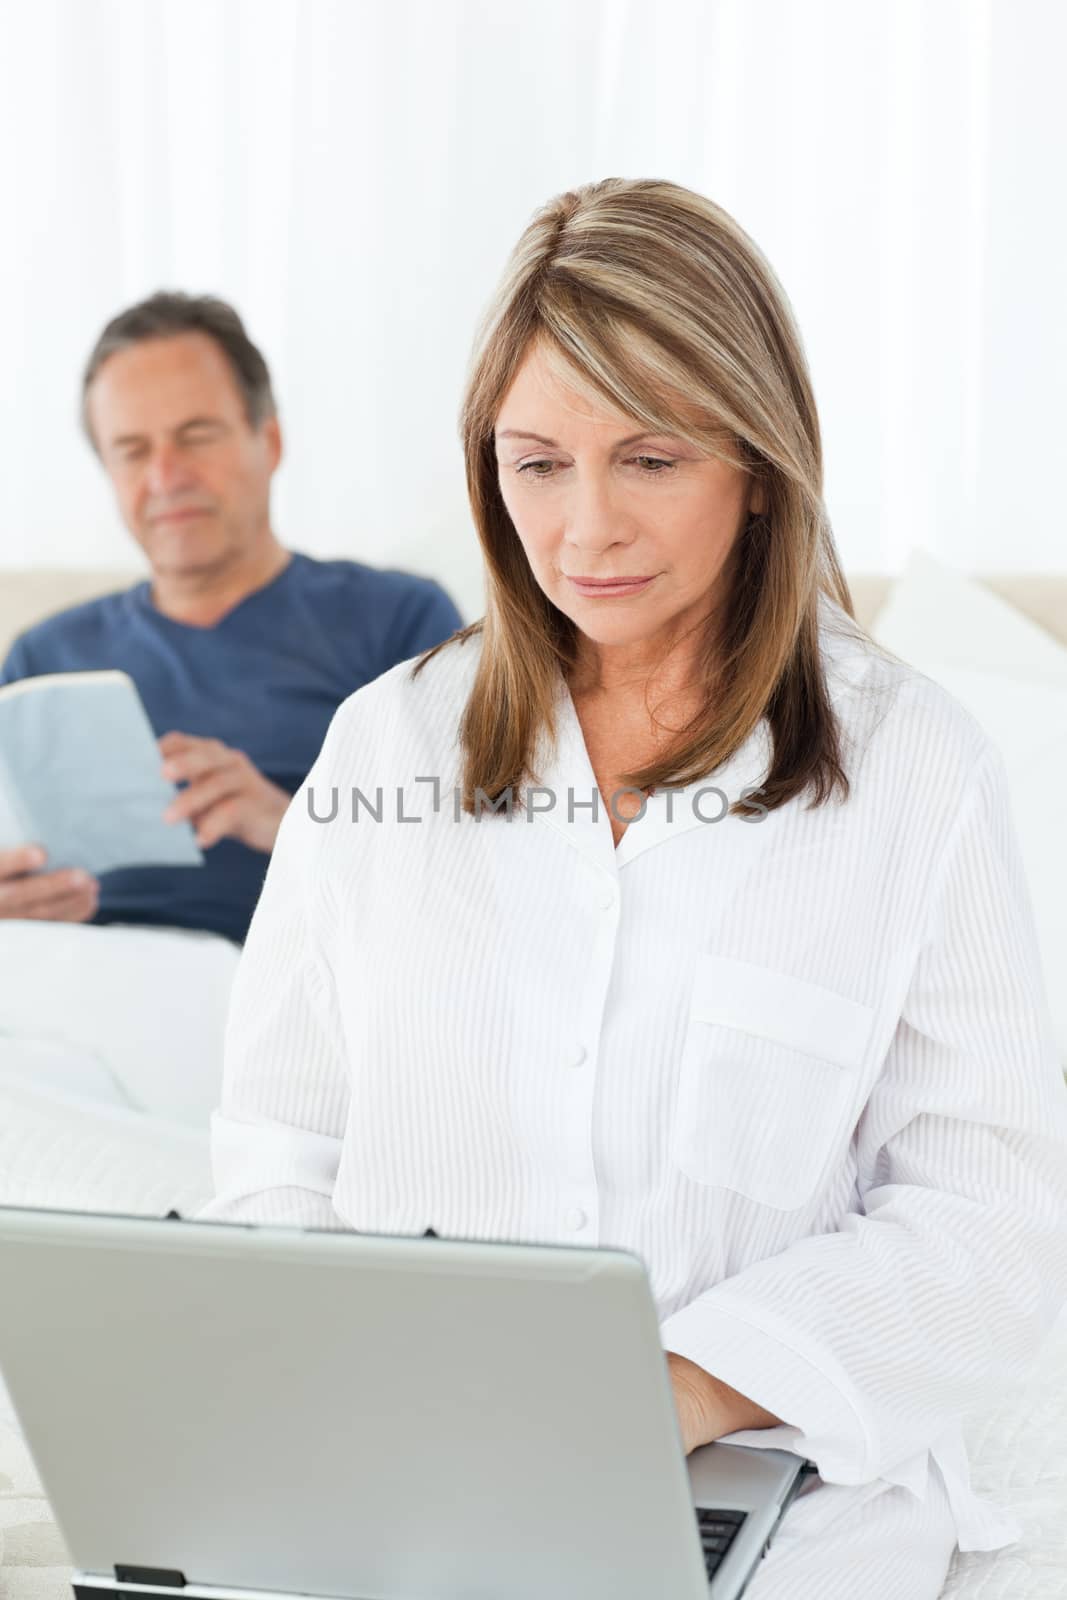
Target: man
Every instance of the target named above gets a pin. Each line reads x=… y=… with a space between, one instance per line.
x=241 y=649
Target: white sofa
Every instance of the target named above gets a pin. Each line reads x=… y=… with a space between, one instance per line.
x=27 y=594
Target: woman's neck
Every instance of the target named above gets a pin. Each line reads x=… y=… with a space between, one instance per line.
x=638 y=677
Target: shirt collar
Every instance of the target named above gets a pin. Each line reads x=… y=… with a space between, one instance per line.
x=564 y=795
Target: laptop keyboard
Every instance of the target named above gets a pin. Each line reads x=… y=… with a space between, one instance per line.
x=718 y=1530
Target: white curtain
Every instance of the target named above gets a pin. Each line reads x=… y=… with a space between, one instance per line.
x=352 y=175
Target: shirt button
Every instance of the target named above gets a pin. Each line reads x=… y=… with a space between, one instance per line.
x=607 y=900
x=579 y=1056
x=576 y=1219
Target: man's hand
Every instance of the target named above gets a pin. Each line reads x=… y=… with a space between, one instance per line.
x=226 y=796
x=35 y=896
x=707 y=1408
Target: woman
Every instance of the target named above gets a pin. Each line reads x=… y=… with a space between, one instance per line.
x=659 y=910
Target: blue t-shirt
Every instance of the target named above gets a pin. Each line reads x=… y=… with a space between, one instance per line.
x=266 y=679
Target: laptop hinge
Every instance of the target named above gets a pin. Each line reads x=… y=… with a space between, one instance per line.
x=154 y=1577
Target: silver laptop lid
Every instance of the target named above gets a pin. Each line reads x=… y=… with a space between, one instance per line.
x=348 y=1415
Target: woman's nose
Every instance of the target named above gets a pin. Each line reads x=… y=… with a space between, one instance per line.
x=596 y=519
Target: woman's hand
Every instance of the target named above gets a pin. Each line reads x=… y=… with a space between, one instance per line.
x=707 y=1408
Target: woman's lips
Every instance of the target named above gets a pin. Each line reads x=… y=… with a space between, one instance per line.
x=598 y=587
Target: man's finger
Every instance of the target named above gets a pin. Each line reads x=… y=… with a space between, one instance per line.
x=41 y=896
x=174 y=741
x=217 y=823
x=42 y=888
x=24 y=858
x=205 y=793
x=207 y=755
x=68 y=908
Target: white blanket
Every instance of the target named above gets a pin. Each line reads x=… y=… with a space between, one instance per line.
x=110 y=1064
x=123 y=1015
x=63 y=1150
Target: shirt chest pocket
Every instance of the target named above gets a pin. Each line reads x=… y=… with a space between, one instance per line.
x=769 y=1081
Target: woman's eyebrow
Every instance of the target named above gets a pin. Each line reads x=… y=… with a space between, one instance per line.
x=521 y=433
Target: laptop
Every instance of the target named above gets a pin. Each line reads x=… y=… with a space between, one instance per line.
x=225 y=1411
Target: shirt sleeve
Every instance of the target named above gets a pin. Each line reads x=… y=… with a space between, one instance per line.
x=428 y=618
x=874 y=1341
x=276 y=1136
x=16 y=664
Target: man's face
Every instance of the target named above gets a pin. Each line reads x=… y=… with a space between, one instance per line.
x=190 y=473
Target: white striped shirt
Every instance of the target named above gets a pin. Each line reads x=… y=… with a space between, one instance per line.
x=802 y=1066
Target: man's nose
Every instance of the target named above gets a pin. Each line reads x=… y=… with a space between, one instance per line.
x=168 y=473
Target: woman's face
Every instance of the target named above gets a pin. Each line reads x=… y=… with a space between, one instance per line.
x=625 y=531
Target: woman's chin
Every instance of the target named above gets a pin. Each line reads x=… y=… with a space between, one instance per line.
x=612 y=621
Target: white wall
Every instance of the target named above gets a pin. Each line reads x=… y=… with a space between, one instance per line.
x=353 y=174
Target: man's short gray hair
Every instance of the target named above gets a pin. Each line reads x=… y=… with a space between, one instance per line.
x=170 y=312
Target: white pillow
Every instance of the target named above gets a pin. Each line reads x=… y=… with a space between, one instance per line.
x=1012 y=677
x=942 y=615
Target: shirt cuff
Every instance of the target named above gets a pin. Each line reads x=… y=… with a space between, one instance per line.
x=822 y=1413
x=282 y=1207
x=266 y=1171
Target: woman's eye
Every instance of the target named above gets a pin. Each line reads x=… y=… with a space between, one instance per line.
x=654 y=466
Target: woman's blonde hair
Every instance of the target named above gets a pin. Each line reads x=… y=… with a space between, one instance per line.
x=656 y=301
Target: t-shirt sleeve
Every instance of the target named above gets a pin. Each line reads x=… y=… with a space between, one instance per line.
x=17 y=663
x=425 y=618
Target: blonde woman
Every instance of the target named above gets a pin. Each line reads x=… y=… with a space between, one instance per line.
x=660 y=910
